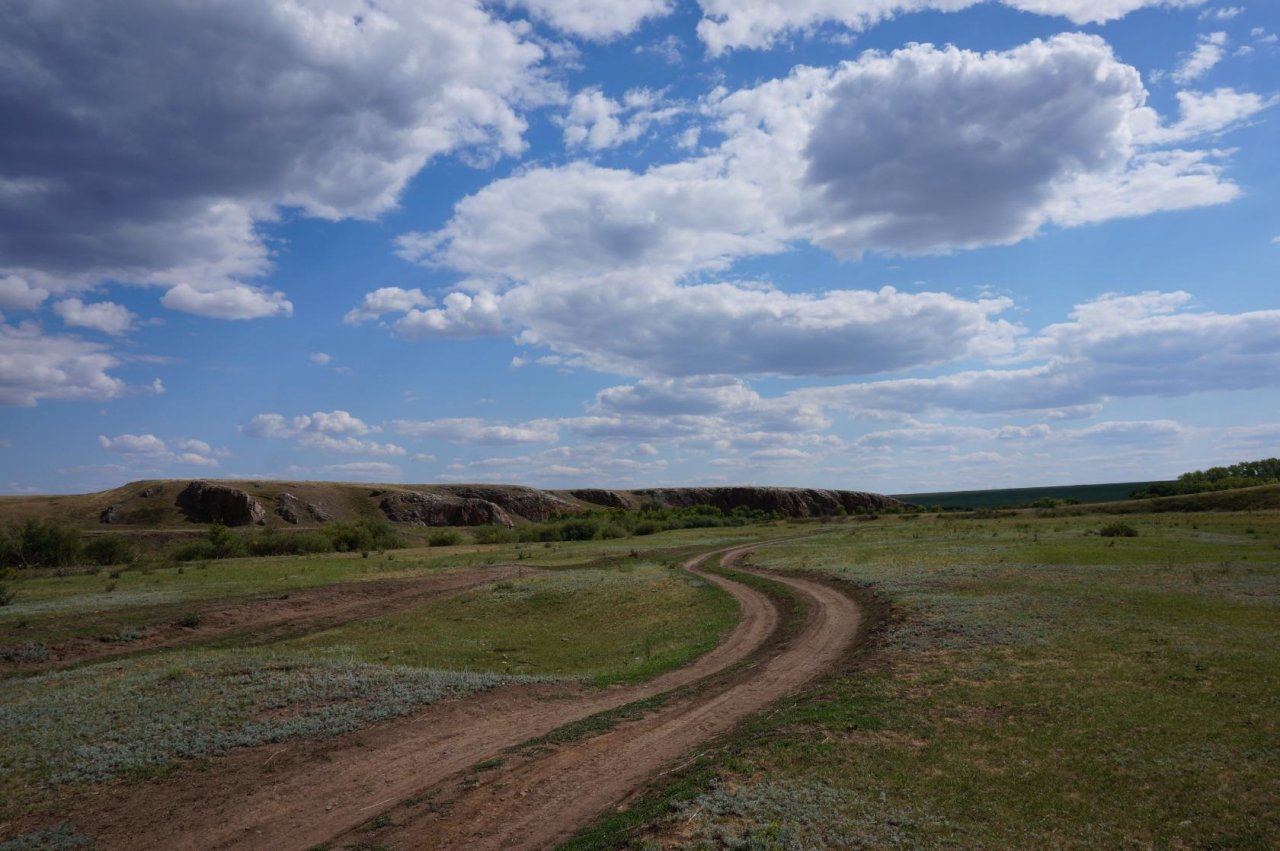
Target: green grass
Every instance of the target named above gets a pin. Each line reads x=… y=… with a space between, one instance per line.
x=1037 y=687
x=48 y=609
x=623 y=624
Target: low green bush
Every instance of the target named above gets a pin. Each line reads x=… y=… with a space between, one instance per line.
x=107 y=550
x=1118 y=530
x=443 y=538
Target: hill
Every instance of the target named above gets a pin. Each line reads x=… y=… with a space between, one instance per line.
x=172 y=504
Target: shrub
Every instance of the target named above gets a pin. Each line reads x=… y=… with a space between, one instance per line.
x=1118 y=530
x=368 y=534
x=193 y=551
x=579 y=529
x=272 y=543
x=225 y=543
x=494 y=535
x=40 y=543
x=109 y=550
x=6 y=593
x=443 y=538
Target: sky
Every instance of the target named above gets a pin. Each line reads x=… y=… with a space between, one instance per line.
x=888 y=245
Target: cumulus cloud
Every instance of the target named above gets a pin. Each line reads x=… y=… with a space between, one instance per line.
x=230 y=302
x=926 y=149
x=596 y=121
x=18 y=294
x=326 y=431
x=728 y=24
x=596 y=20
x=105 y=316
x=921 y=150
x=148 y=452
x=319 y=358
x=128 y=159
x=35 y=365
x=383 y=301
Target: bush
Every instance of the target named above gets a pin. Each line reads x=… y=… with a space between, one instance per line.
x=368 y=534
x=193 y=551
x=109 y=549
x=1118 y=530
x=443 y=538
x=579 y=529
x=6 y=593
x=272 y=543
x=494 y=535
x=39 y=543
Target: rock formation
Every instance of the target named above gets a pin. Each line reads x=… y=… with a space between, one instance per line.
x=531 y=504
x=291 y=509
x=429 y=509
x=207 y=502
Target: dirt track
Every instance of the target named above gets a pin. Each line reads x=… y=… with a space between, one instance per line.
x=263 y=620
x=303 y=794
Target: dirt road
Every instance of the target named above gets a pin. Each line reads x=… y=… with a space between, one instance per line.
x=307 y=793
x=264 y=620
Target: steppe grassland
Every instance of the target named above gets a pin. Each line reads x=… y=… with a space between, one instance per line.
x=604 y=611
x=1036 y=685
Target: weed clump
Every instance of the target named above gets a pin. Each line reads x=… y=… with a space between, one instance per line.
x=443 y=538
x=1118 y=530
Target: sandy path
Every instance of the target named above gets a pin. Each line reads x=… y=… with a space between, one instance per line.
x=546 y=800
x=264 y=620
x=298 y=795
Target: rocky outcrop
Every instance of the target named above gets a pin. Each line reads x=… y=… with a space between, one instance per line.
x=110 y=514
x=606 y=498
x=207 y=502
x=785 y=502
x=531 y=504
x=292 y=510
x=431 y=509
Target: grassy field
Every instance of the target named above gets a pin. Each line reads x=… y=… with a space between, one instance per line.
x=1037 y=686
x=611 y=625
x=601 y=612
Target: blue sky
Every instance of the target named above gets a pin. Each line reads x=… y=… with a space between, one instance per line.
x=895 y=245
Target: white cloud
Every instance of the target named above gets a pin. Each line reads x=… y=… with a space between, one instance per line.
x=461 y=315
x=609 y=268
x=1222 y=13
x=472 y=430
x=1149 y=344
x=319 y=358
x=105 y=316
x=1202 y=113
x=157 y=167
x=147 y=452
x=230 y=302
x=348 y=445
x=728 y=24
x=596 y=121
x=134 y=444
x=17 y=294
x=326 y=431
x=1210 y=50
x=35 y=365
x=597 y=20
x=383 y=301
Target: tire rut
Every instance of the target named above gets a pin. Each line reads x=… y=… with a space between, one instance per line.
x=298 y=795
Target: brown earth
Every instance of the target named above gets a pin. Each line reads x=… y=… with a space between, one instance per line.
x=300 y=794
x=261 y=621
